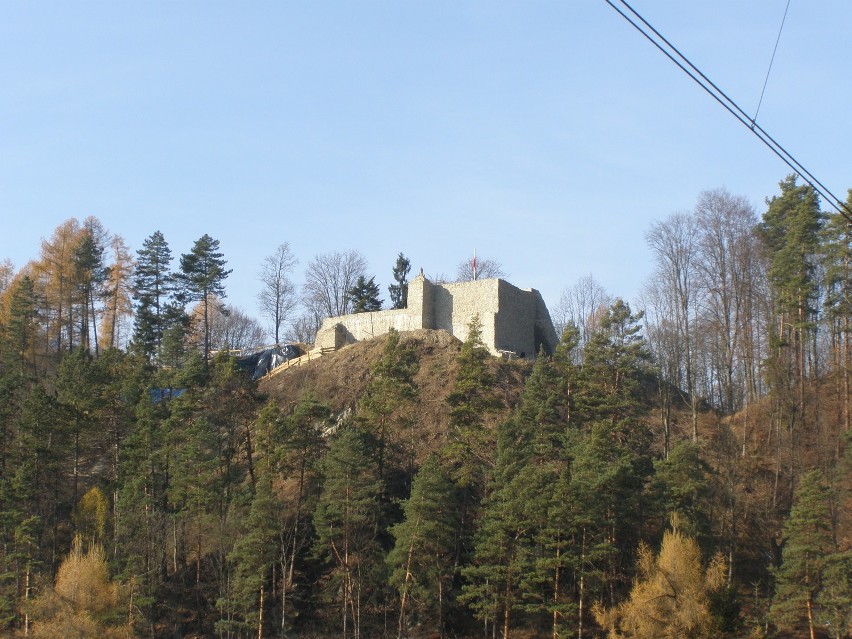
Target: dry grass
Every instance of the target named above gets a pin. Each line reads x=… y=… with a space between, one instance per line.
x=339 y=379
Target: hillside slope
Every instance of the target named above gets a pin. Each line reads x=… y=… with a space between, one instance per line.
x=339 y=378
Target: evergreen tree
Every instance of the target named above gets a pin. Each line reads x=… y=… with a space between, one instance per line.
x=245 y=609
x=399 y=291
x=519 y=554
x=77 y=386
x=295 y=445
x=90 y=274
x=835 y=597
x=346 y=521
x=493 y=577
x=684 y=485
x=421 y=562
x=837 y=264
x=522 y=547
x=364 y=296
x=604 y=515
x=614 y=360
x=470 y=445
x=383 y=409
x=19 y=330
x=808 y=541
x=202 y=279
x=154 y=288
x=142 y=498
x=790 y=232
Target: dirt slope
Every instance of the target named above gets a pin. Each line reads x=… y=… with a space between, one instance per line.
x=339 y=378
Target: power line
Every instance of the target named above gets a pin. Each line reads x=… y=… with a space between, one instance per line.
x=771 y=60
x=685 y=65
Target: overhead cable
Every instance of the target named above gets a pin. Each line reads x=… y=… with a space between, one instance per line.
x=771 y=60
x=685 y=65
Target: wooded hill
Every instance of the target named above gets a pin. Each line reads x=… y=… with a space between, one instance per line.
x=409 y=485
x=667 y=476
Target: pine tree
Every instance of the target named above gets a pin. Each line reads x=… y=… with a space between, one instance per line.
x=519 y=546
x=77 y=385
x=790 y=233
x=492 y=579
x=294 y=445
x=253 y=556
x=19 y=331
x=202 y=278
x=142 y=498
x=684 y=483
x=522 y=551
x=808 y=541
x=470 y=445
x=90 y=274
x=837 y=262
x=364 y=296
x=614 y=360
x=346 y=521
x=154 y=288
x=604 y=509
x=399 y=291
x=383 y=409
x=421 y=561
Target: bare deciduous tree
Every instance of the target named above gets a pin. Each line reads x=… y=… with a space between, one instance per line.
x=726 y=270
x=328 y=280
x=231 y=328
x=277 y=299
x=665 y=344
x=582 y=304
x=674 y=243
x=485 y=269
x=304 y=328
x=7 y=271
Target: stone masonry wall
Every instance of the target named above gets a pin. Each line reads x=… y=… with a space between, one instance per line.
x=512 y=319
x=515 y=321
x=361 y=326
x=456 y=304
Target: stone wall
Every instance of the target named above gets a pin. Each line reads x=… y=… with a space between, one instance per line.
x=515 y=321
x=336 y=332
x=512 y=319
x=456 y=304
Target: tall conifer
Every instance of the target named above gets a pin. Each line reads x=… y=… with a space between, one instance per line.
x=202 y=278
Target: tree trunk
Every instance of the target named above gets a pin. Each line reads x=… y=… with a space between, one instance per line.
x=249 y=460
x=441 y=608
x=581 y=587
x=260 y=613
x=404 y=596
x=809 y=605
x=556 y=590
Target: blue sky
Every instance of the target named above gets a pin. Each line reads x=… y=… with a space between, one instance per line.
x=547 y=135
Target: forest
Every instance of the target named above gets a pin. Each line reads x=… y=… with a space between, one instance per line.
x=678 y=467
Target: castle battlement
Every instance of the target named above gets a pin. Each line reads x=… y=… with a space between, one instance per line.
x=513 y=320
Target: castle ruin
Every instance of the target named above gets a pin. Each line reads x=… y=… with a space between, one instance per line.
x=514 y=321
